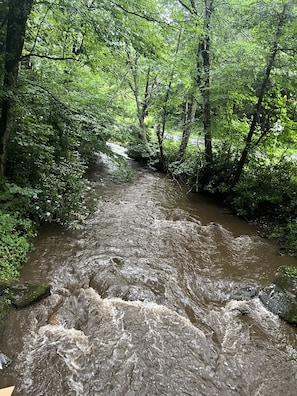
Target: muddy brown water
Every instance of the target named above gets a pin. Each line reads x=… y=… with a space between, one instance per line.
x=143 y=302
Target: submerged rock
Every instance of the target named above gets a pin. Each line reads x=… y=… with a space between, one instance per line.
x=281 y=296
x=244 y=293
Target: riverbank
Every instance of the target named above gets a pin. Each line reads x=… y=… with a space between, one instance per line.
x=114 y=170
x=266 y=193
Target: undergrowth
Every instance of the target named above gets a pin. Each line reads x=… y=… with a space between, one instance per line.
x=15 y=236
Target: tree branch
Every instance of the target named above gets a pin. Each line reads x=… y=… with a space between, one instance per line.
x=191 y=10
x=41 y=88
x=39 y=27
x=294 y=50
x=56 y=58
x=146 y=17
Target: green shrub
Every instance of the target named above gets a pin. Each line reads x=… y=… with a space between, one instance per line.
x=15 y=199
x=185 y=170
x=145 y=153
x=217 y=176
x=285 y=234
x=15 y=234
x=123 y=172
x=214 y=178
x=48 y=157
x=267 y=189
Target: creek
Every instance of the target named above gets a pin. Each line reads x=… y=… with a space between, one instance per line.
x=147 y=300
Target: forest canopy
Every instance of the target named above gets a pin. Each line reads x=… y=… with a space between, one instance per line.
x=203 y=90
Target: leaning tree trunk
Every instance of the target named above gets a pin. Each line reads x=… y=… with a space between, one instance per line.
x=17 y=16
x=265 y=83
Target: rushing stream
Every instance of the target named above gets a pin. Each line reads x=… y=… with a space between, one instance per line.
x=146 y=301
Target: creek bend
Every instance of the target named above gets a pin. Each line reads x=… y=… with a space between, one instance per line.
x=142 y=302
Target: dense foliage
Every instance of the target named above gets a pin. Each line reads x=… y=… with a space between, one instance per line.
x=205 y=90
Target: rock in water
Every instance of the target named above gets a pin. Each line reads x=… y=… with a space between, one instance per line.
x=281 y=297
x=18 y=295
x=24 y=294
x=4 y=361
x=244 y=293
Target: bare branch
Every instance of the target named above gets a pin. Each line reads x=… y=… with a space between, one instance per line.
x=40 y=26
x=143 y=16
x=192 y=9
x=56 y=58
x=294 y=50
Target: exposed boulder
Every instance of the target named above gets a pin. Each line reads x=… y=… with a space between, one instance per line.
x=23 y=294
x=18 y=295
x=4 y=361
x=281 y=296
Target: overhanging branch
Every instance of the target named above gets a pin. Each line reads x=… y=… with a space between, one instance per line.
x=192 y=9
x=294 y=50
x=56 y=58
x=139 y=15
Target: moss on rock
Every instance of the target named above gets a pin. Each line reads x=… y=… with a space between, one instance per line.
x=24 y=294
x=288 y=270
x=18 y=295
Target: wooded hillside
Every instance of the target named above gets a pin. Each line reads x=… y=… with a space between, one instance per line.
x=204 y=90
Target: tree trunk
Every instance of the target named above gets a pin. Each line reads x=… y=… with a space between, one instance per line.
x=17 y=16
x=203 y=70
x=203 y=78
x=141 y=103
x=265 y=83
x=3 y=28
x=188 y=120
x=143 y=109
x=161 y=126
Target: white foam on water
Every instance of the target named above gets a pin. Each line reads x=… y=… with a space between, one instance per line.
x=139 y=244
x=126 y=344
